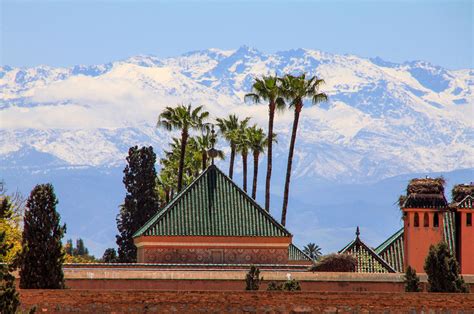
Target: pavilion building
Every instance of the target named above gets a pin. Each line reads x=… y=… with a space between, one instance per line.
x=213 y=221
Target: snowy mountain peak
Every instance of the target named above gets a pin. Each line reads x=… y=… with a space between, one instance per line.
x=383 y=118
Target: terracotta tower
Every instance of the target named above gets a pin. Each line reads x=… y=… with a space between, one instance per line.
x=463 y=205
x=423 y=211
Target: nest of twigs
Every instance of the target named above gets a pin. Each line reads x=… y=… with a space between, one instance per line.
x=460 y=191
x=426 y=192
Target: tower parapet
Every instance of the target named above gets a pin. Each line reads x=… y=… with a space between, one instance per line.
x=423 y=207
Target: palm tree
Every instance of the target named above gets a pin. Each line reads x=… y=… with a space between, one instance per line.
x=313 y=251
x=295 y=90
x=227 y=128
x=241 y=136
x=258 y=142
x=267 y=88
x=183 y=118
x=203 y=144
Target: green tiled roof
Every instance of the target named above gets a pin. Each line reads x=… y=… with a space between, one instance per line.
x=392 y=250
x=467 y=202
x=295 y=254
x=450 y=231
x=368 y=261
x=212 y=205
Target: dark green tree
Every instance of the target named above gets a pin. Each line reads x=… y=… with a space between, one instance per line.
x=42 y=257
x=69 y=248
x=252 y=279
x=412 y=281
x=443 y=270
x=9 y=299
x=141 y=200
x=81 y=249
x=110 y=256
x=313 y=251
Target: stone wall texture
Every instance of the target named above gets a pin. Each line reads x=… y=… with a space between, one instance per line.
x=214 y=255
x=140 y=301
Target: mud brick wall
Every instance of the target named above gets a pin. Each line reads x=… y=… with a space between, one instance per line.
x=123 y=301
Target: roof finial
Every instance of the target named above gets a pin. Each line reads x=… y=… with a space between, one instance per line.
x=357 y=232
x=212 y=152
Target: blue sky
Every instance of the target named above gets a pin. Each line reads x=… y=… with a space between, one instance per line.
x=64 y=33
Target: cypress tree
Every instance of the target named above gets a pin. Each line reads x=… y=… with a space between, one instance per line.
x=412 y=281
x=110 y=256
x=443 y=270
x=42 y=257
x=9 y=300
x=141 y=200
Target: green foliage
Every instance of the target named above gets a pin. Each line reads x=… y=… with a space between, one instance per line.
x=9 y=299
x=183 y=118
x=443 y=270
x=230 y=128
x=336 y=263
x=78 y=254
x=10 y=225
x=110 y=256
x=141 y=200
x=289 y=285
x=252 y=279
x=313 y=251
x=412 y=281
x=42 y=257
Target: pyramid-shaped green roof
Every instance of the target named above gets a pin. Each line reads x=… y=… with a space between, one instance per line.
x=212 y=205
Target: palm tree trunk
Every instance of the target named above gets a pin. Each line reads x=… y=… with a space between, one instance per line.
x=290 y=162
x=271 y=116
x=255 y=174
x=204 y=160
x=184 y=139
x=244 y=164
x=232 y=159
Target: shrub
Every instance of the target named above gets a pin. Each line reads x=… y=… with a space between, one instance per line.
x=289 y=285
x=443 y=270
x=412 y=281
x=336 y=263
x=252 y=279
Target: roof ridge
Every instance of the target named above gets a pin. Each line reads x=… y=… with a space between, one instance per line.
x=372 y=252
x=389 y=241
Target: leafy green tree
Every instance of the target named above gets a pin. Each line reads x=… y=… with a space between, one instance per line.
x=183 y=118
x=81 y=249
x=443 y=270
x=110 y=256
x=252 y=279
x=229 y=129
x=141 y=200
x=69 y=247
x=268 y=89
x=412 y=281
x=313 y=251
x=42 y=257
x=295 y=89
x=9 y=299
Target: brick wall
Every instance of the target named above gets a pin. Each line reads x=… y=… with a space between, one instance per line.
x=124 y=301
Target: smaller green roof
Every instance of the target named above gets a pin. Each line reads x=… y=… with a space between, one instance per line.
x=368 y=261
x=392 y=250
x=295 y=254
x=212 y=205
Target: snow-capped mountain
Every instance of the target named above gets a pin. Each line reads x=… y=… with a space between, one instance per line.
x=384 y=123
x=383 y=119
